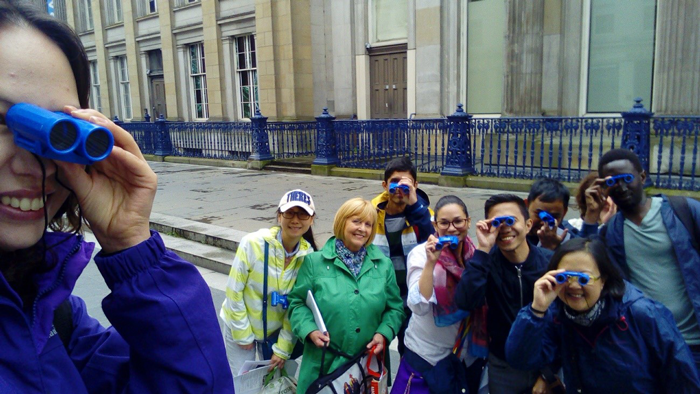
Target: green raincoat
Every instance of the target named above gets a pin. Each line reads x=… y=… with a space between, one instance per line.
x=353 y=309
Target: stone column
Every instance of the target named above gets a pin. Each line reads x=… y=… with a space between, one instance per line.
x=677 y=68
x=146 y=89
x=230 y=102
x=170 y=70
x=522 y=87
x=212 y=58
x=184 y=94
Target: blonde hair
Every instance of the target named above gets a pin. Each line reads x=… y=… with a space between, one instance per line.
x=355 y=207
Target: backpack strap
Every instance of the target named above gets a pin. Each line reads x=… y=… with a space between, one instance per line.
x=264 y=294
x=681 y=208
x=63 y=322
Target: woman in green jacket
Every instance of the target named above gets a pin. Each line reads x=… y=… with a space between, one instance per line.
x=355 y=289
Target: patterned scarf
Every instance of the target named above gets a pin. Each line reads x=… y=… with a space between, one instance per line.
x=352 y=260
x=586 y=319
x=446 y=276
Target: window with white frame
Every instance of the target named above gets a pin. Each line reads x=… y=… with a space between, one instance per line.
x=182 y=3
x=84 y=21
x=146 y=7
x=124 y=88
x=620 y=54
x=198 y=80
x=247 y=70
x=95 y=99
x=113 y=10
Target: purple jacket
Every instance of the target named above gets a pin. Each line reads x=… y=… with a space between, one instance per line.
x=165 y=336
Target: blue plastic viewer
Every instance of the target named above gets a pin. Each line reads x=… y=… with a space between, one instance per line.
x=57 y=136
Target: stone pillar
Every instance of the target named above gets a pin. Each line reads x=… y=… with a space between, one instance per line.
x=182 y=85
x=103 y=64
x=677 y=68
x=212 y=58
x=283 y=32
x=570 y=86
x=132 y=60
x=429 y=59
x=522 y=88
x=146 y=81
x=168 y=50
x=231 y=107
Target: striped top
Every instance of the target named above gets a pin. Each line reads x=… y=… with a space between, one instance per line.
x=242 y=307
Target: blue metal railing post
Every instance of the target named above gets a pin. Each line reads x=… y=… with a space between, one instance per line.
x=636 y=132
x=163 y=143
x=326 y=148
x=459 y=148
x=261 y=142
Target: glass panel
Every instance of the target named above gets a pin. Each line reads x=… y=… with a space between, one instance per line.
x=621 y=54
x=486 y=30
x=245 y=94
x=253 y=60
x=193 y=59
x=246 y=110
x=390 y=20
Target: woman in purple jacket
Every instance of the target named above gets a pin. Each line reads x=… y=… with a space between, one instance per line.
x=165 y=336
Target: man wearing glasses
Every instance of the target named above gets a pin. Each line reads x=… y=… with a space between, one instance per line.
x=404 y=221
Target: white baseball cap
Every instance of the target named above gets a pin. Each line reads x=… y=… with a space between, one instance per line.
x=297 y=198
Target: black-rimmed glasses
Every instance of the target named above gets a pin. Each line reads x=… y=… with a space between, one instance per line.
x=458 y=223
x=302 y=215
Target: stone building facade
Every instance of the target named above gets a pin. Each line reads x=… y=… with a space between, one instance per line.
x=215 y=60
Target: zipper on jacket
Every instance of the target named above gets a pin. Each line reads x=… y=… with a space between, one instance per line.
x=58 y=280
x=520 y=281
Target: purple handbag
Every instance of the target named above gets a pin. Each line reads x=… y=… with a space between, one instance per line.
x=409 y=381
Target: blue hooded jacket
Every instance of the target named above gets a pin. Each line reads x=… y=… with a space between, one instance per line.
x=687 y=257
x=638 y=348
x=165 y=336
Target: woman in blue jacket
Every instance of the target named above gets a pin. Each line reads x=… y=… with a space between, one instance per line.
x=609 y=337
x=165 y=337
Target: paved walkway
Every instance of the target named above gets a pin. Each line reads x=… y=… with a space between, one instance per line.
x=246 y=200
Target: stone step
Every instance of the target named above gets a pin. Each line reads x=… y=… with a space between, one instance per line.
x=209 y=234
x=285 y=168
x=202 y=255
x=298 y=162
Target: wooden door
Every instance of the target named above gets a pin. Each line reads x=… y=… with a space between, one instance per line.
x=388 y=84
x=158 y=98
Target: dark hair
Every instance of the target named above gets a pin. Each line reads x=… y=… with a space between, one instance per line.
x=549 y=190
x=450 y=199
x=620 y=154
x=19 y=266
x=400 y=164
x=614 y=283
x=504 y=198
x=581 y=191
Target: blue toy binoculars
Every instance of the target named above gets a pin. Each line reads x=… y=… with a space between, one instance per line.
x=57 y=136
x=452 y=240
x=583 y=279
x=547 y=218
x=628 y=178
x=507 y=220
x=277 y=298
x=394 y=186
